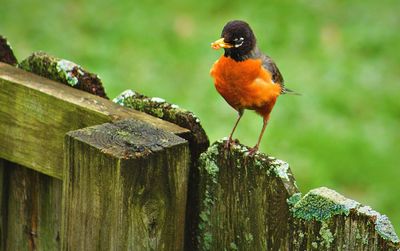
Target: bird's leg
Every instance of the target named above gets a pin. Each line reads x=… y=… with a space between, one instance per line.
x=253 y=150
x=229 y=142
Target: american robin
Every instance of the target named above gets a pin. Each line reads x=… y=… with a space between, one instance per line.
x=244 y=76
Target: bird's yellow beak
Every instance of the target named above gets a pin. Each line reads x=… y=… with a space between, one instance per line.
x=220 y=43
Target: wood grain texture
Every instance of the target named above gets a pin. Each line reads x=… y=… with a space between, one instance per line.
x=32 y=211
x=243 y=200
x=35 y=114
x=198 y=143
x=125 y=188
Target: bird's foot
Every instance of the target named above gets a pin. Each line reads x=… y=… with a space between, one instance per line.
x=230 y=142
x=253 y=150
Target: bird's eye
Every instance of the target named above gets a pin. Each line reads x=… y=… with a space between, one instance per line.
x=238 y=41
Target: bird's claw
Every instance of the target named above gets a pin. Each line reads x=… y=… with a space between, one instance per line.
x=253 y=151
x=230 y=142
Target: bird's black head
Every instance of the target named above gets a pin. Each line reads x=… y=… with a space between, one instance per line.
x=237 y=39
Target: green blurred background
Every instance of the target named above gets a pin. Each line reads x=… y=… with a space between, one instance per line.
x=343 y=56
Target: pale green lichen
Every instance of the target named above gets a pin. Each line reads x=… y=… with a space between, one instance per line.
x=385 y=229
x=321 y=204
x=248 y=237
x=208 y=163
x=233 y=246
x=205 y=238
x=358 y=235
x=123 y=96
x=211 y=169
x=280 y=168
x=365 y=240
x=314 y=244
x=326 y=235
x=292 y=200
x=213 y=150
x=382 y=224
x=69 y=70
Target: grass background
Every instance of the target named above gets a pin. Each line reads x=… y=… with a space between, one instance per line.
x=343 y=56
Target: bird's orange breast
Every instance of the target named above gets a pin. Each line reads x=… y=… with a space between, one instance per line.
x=245 y=84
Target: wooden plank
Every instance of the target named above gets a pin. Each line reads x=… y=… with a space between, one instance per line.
x=35 y=114
x=125 y=188
x=243 y=200
x=33 y=210
x=325 y=220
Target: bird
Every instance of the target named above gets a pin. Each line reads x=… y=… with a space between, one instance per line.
x=245 y=77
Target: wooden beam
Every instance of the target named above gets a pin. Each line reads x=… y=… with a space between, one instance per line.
x=125 y=188
x=35 y=114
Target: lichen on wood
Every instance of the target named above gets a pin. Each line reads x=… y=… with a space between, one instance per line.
x=158 y=107
x=325 y=219
x=243 y=200
x=63 y=71
x=6 y=54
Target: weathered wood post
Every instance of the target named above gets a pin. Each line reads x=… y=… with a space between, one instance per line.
x=243 y=200
x=125 y=188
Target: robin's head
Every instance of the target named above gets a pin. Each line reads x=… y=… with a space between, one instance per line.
x=237 y=39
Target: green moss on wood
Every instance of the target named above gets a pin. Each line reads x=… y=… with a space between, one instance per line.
x=296 y=197
x=327 y=209
x=236 y=192
x=321 y=204
x=63 y=71
x=280 y=168
x=158 y=107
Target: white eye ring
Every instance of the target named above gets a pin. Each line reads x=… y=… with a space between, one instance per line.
x=238 y=39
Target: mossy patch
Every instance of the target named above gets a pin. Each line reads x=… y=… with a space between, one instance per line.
x=159 y=108
x=63 y=71
x=292 y=200
x=208 y=167
x=321 y=204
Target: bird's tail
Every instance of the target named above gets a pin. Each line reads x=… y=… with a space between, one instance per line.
x=288 y=91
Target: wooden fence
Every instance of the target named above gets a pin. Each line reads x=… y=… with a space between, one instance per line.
x=79 y=172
